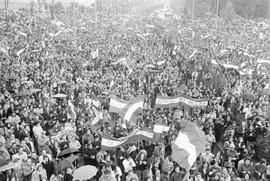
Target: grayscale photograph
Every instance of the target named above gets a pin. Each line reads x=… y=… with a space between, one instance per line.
x=134 y=90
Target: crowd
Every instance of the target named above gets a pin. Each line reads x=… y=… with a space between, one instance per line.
x=47 y=65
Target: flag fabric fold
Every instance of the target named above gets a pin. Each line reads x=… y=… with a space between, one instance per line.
x=117 y=104
x=133 y=109
x=71 y=114
x=162 y=101
x=188 y=145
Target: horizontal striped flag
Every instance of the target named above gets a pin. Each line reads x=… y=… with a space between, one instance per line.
x=188 y=145
x=162 y=101
x=133 y=109
x=154 y=135
x=110 y=143
x=262 y=61
x=117 y=104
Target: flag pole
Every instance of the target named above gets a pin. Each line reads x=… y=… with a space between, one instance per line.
x=6 y=13
x=193 y=9
x=217 y=7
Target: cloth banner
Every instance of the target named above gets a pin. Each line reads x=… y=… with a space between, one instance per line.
x=111 y=143
x=162 y=101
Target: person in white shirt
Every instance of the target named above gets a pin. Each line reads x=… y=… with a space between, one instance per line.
x=21 y=155
x=74 y=144
x=37 y=130
x=128 y=163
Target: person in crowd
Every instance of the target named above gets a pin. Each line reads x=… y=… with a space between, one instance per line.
x=28 y=169
x=39 y=174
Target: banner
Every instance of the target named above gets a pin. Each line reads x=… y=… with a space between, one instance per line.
x=110 y=143
x=162 y=101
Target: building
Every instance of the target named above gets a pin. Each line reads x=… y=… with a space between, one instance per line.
x=43 y=6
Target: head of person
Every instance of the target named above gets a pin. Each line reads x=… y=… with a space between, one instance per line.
x=44 y=152
x=247 y=161
x=177 y=169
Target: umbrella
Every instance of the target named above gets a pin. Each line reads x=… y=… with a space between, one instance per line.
x=67 y=162
x=59 y=96
x=67 y=151
x=85 y=172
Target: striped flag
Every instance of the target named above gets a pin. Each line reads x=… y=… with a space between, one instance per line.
x=188 y=145
x=111 y=143
x=162 y=101
x=133 y=109
x=117 y=104
x=71 y=114
x=265 y=62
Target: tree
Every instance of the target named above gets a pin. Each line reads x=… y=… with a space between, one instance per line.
x=58 y=7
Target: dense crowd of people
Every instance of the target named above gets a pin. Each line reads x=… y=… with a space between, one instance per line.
x=46 y=64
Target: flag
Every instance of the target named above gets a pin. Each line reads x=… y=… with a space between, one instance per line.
x=95 y=54
x=133 y=109
x=120 y=60
x=71 y=111
x=20 y=52
x=160 y=63
x=22 y=33
x=117 y=104
x=227 y=66
x=188 y=145
x=162 y=101
x=141 y=37
x=149 y=26
x=98 y=115
x=265 y=62
x=111 y=143
x=192 y=55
